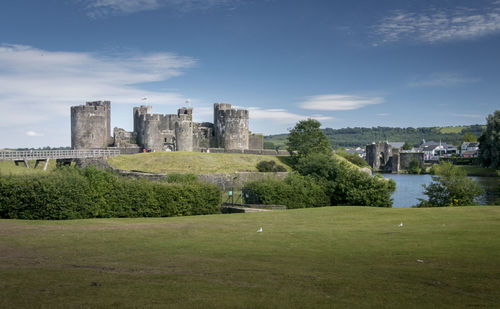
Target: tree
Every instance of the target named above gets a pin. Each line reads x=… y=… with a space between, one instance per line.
x=469 y=137
x=450 y=187
x=269 y=145
x=414 y=167
x=307 y=138
x=489 y=142
x=407 y=146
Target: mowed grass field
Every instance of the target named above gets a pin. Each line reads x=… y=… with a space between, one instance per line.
x=183 y=162
x=192 y=162
x=331 y=257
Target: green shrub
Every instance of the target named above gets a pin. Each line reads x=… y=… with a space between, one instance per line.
x=295 y=191
x=181 y=178
x=90 y=193
x=347 y=185
x=356 y=188
x=270 y=166
x=450 y=187
x=352 y=157
x=269 y=145
x=414 y=167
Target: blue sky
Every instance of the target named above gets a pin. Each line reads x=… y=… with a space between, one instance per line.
x=346 y=63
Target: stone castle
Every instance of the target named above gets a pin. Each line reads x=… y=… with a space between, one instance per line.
x=91 y=128
x=383 y=157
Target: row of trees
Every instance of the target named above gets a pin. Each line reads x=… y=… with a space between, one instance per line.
x=354 y=137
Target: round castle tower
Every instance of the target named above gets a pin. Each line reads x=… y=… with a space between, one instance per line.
x=184 y=129
x=231 y=127
x=91 y=125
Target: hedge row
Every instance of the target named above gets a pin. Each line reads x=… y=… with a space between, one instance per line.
x=90 y=193
x=295 y=192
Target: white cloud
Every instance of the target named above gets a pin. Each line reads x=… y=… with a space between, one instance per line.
x=382 y=114
x=437 y=25
x=33 y=133
x=442 y=79
x=38 y=85
x=102 y=8
x=338 y=102
x=281 y=116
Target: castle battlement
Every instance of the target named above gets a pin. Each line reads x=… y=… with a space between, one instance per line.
x=163 y=131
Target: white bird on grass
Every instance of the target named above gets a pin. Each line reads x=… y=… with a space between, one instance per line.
x=401 y=224
x=259 y=230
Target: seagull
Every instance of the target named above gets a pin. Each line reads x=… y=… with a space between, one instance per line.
x=259 y=230
x=401 y=224
x=144 y=99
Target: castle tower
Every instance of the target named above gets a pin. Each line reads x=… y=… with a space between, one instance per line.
x=184 y=129
x=91 y=125
x=140 y=114
x=231 y=127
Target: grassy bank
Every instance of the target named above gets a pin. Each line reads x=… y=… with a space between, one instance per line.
x=342 y=257
x=480 y=171
x=9 y=167
x=191 y=162
x=197 y=162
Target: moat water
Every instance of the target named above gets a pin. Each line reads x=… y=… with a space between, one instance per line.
x=409 y=189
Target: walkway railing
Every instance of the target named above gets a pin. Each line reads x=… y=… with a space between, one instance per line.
x=56 y=154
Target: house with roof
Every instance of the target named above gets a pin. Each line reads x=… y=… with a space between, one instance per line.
x=469 y=149
x=434 y=150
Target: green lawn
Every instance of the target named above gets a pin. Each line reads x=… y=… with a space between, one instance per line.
x=190 y=162
x=9 y=167
x=197 y=163
x=480 y=171
x=332 y=257
x=456 y=129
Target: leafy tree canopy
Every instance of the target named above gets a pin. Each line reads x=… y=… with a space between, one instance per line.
x=469 y=137
x=407 y=146
x=489 y=142
x=450 y=187
x=307 y=138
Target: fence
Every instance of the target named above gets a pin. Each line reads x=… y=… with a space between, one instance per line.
x=56 y=154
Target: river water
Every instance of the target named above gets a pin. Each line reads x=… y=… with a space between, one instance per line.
x=409 y=189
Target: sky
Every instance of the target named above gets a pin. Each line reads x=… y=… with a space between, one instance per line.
x=365 y=63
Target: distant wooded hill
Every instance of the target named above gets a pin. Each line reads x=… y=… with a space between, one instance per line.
x=360 y=137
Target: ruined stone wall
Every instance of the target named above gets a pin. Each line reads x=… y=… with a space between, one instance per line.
x=231 y=127
x=256 y=142
x=124 y=138
x=203 y=136
x=160 y=132
x=379 y=156
x=91 y=125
